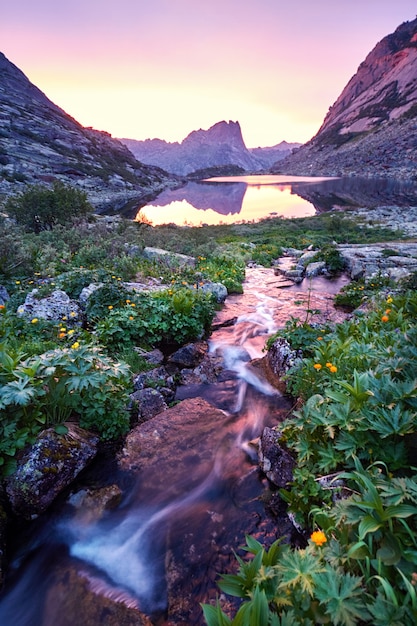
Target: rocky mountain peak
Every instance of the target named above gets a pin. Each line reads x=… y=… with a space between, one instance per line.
x=383 y=88
x=371 y=129
x=221 y=133
x=40 y=144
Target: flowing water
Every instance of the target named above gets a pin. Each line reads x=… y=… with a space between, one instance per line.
x=180 y=519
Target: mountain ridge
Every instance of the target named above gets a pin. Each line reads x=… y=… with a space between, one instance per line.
x=371 y=129
x=220 y=145
x=41 y=143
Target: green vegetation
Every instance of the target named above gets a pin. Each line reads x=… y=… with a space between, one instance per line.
x=354 y=483
x=39 y=208
x=353 y=435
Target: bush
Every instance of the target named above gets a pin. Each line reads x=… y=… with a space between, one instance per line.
x=50 y=388
x=170 y=317
x=40 y=208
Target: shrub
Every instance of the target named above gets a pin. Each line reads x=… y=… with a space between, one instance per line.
x=40 y=208
x=50 y=388
x=150 y=319
x=333 y=259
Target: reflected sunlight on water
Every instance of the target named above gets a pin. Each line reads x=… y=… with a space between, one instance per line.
x=259 y=201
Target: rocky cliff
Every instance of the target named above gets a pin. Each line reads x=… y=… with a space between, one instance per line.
x=371 y=129
x=40 y=143
x=220 y=145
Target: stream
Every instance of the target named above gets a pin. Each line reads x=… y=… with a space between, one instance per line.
x=187 y=506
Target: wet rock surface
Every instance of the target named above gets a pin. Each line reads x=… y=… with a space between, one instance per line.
x=47 y=467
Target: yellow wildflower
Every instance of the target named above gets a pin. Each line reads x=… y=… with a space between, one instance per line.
x=61 y=335
x=389 y=300
x=17 y=282
x=72 y=314
x=71 y=332
x=328 y=364
x=317 y=366
x=318 y=537
x=384 y=318
x=319 y=338
x=131 y=317
x=132 y=304
x=35 y=320
x=110 y=307
x=75 y=345
x=333 y=369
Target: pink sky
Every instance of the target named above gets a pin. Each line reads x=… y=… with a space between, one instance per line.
x=162 y=68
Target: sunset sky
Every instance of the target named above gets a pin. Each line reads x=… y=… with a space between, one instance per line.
x=162 y=68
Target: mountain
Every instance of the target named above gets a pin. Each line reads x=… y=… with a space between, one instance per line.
x=220 y=145
x=40 y=143
x=371 y=129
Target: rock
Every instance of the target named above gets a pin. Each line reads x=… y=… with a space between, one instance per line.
x=370 y=130
x=148 y=403
x=306 y=257
x=171 y=259
x=47 y=467
x=218 y=290
x=154 y=357
x=158 y=377
x=91 y=504
x=59 y=148
x=4 y=296
x=160 y=442
x=54 y=307
x=281 y=357
x=78 y=597
x=275 y=462
x=314 y=269
x=189 y=355
x=87 y=291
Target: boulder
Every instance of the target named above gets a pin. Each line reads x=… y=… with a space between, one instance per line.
x=306 y=257
x=56 y=306
x=4 y=296
x=171 y=259
x=281 y=357
x=218 y=290
x=87 y=291
x=78 y=597
x=92 y=504
x=47 y=467
x=316 y=268
x=147 y=403
x=275 y=462
x=189 y=355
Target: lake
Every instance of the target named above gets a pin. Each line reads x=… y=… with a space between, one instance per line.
x=236 y=199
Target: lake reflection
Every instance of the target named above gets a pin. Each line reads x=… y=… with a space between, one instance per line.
x=250 y=198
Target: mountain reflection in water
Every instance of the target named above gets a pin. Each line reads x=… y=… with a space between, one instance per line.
x=236 y=199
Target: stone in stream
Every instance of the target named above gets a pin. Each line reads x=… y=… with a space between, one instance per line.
x=189 y=454
x=47 y=467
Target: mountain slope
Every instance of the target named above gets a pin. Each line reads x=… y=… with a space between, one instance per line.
x=372 y=127
x=40 y=143
x=220 y=145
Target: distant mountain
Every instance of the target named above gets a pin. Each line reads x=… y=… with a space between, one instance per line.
x=40 y=143
x=371 y=129
x=220 y=145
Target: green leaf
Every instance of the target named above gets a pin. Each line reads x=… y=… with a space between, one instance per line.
x=61 y=429
x=233 y=585
x=214 y=616
x=260 y=608
x=368 y=525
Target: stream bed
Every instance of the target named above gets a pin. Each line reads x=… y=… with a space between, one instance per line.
x=190 y=490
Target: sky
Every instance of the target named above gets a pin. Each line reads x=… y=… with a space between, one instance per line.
x=141 y=69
